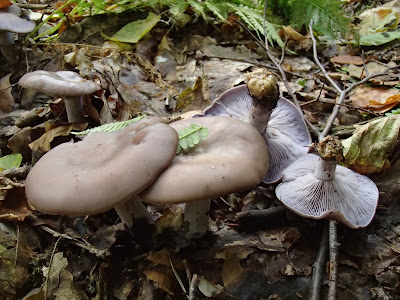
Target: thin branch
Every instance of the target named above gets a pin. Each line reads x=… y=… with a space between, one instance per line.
x=318 y=267
x=333 y=260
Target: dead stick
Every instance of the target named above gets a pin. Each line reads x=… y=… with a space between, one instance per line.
x=318 y=267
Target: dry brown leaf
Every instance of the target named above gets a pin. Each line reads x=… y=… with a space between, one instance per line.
x=232 y=272
x=14 y=207
x=163 y=257
x=42 y=144
x=280 y=239
x=293 y=34
x=165 y=279
x=6 y=98
x=364 y=71
x=374 y=98
x=348 y=59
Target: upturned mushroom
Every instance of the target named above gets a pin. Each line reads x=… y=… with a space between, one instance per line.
x=232 y=158
x=316 y=187
x=281 y=126
x=68 y=85
x=102 y=171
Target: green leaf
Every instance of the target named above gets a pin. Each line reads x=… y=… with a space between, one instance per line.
x=10 y=161
x=191 y=136
x=109 y=127
x=134 y=31
x=379 y=38
x=366 y=150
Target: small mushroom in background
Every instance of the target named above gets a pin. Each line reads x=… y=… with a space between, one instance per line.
x=278 y=121
x=103 y=171
x=316 y=187
x=68 y=85
x=232 y=158
x=10 y=22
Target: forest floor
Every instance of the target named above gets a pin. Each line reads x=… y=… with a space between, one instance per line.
x=264 y=255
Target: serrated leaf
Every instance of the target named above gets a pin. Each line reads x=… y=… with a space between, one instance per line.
x=109 y=127
x=191 y=136
x=10 y=161
x=366 y=150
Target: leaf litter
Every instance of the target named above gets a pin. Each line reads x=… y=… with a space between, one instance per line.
x=95 y=257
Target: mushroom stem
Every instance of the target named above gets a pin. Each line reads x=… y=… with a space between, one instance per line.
x=132 y=211
x=325 y=169
x=74 y=107
x=260 y=115
x=196 y=214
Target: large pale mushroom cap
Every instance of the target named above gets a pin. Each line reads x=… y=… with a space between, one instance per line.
x=102 y=171
x=350 y=198
x=232 y=158
x=60 y=83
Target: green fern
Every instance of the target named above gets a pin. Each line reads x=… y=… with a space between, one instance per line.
x=191 y=136
x=327 y=15
x=109 y=127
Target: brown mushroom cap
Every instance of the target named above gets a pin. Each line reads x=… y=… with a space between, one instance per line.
x=61 y=83
x=101 y=171
x=232 y=158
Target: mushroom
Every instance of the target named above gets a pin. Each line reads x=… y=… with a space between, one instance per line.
x=102 y=171
x=11 y=22
x=68 y=85
x=316 y=187
x=232 y=158
x=282 y=127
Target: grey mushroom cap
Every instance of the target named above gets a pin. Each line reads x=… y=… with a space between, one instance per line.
x=286 y=135
x=350 y=198
x=287 y=139
x=61 y=83
x=10 y=21
x=101 y=171
x=232 y=158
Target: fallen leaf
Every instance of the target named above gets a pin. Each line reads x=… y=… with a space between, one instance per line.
x=366 y=150
x=232 y=272
x=209 y=289
x=134 y=31
x=376 y=99
x=163 y=278
x=42 y=144
x=164 y=258
x=347 y=59
x=13 y=204
x=6 y=98
x=280 y=239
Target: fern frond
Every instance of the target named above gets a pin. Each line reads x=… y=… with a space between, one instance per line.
x=217 y=9
x=253 y=18
x=109 y=127
x=327 y=15
x=191 y=136
x=199 y=8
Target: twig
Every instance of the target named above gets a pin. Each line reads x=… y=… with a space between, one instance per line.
x=49 y=269
x=194 y=283
x=98 y=252
x=342 y=93
x=333 y=260
x=318 y=267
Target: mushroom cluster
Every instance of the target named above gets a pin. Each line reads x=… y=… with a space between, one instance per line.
x=114 y=170
x=68 y=85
